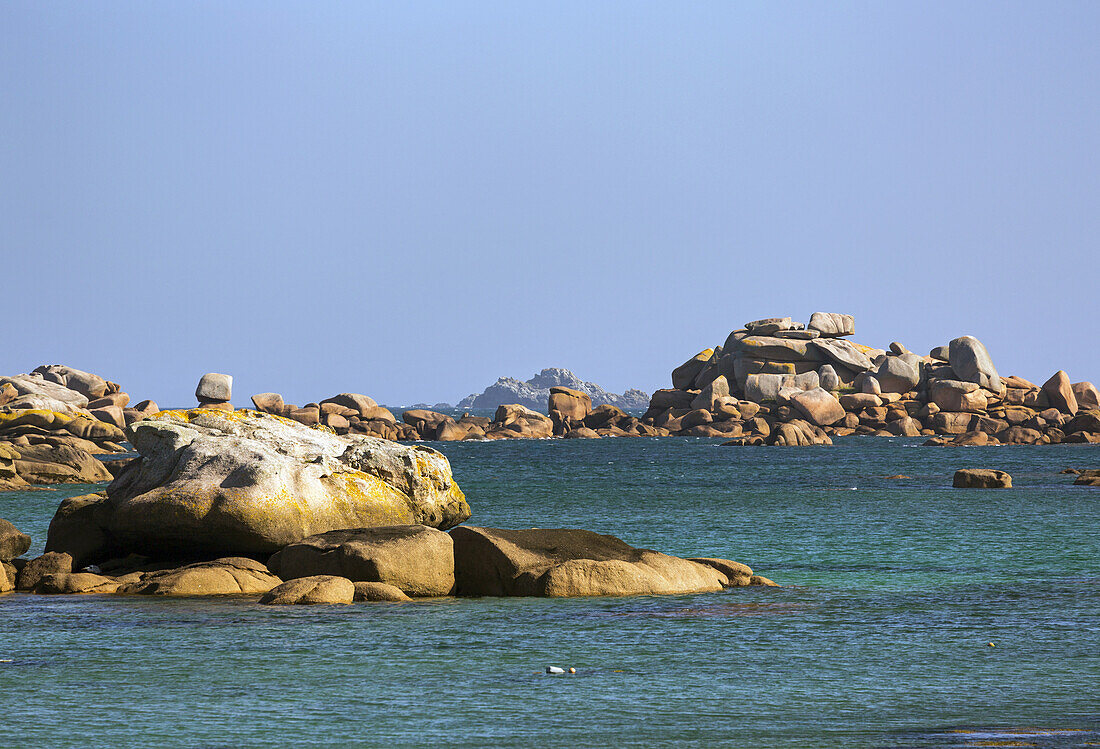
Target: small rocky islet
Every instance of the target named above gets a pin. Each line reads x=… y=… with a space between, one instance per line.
x=321 y=503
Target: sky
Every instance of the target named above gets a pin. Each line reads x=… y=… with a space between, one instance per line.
x=412 y=199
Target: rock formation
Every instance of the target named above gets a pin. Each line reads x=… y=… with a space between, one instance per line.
x=245 y=483
x=535 y=393
x=778 y=382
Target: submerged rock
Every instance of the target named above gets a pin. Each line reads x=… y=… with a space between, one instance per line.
x=242 y=483
x=981 y=478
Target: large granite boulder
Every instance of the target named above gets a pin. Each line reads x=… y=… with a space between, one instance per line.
x=1059 y=392
x=569 y=562
x=819 y=406
x=899 y=374
x=765 y=387
x=832 y=324
x=842 y=352
x=245 y=483
x=972 y=363
x=415 y=558
x=684 y=375
x=780 y=349
x=214 y=387
x=13 y=542
x=981 y=478
x=33 y=391
x=87 y=384
x=572 y=403
x=59 y=462
x=956 y=395
x=219 y=577
x=319 y=589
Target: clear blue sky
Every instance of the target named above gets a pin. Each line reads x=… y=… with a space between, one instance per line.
x=412 y=199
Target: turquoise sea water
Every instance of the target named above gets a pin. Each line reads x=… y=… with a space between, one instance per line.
x=893 y=589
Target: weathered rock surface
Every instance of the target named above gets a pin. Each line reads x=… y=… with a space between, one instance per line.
x=832 y=324
x=574 y=404
x=59 y=463
x=569 y=562
x=214 y=388
x=235 y=484
x=981 y=478
x=1059 y=392
x=972 y=363
x=818 y=406
x=370 y=591
x=219 y=577
x=416 y=559
x=50 y=563
x=13 y=542
x=319 y=589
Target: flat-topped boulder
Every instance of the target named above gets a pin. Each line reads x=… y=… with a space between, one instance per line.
x=245 y=483
x=569 y=562
x=219 y=577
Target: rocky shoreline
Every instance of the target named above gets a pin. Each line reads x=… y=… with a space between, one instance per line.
x=245 y=503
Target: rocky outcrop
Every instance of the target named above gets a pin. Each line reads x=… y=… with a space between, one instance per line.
x=535 y=393
x=244 y=483
x=13 y=542
x=416 y=559
x=808 y=384
x=981 y=478
x=320 y=589
x=570 y=562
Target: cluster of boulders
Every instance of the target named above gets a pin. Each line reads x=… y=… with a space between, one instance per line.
x=243 y=502
x=55 y=420
x=775 y=381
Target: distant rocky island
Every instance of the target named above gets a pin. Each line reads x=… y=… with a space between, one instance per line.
x=535 y=392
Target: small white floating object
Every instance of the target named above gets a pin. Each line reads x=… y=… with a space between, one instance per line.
x=572 y=670
x=554 y=670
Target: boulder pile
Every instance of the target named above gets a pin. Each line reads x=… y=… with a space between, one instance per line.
x=779 y=382
x=53 y=422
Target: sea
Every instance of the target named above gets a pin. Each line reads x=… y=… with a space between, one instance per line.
x=910 y=614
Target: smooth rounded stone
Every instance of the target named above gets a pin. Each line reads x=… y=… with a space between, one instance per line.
x=736 y=573
x=940 y=353
x=250 y=483
x=669 y=398
x=1084 y=421
x=1020 y=435
x=271 y=403
x=50 y=563
x=305 y=416
x=832 y=324
x=828 y=377
x=951 y=422
x=371 y=591
x=818 y=406
x=76 y=583
x=904 y=427
x=695 y=418
x=732 y=339
x=415 y=558
x=973 y=439
x=215 y=387
x=708 y=373
x=797 y=433
x=1059 y=392
x=220 y=577
x=425 y=422
x=1087 y=395
x=780 y=349
x=77 y=530
x=109 y=415
x=899 y=374
x=711 y=396
x=684 y=375
x=515 y=421
x=569 y=562
x=897 y=349
x=972 y=363
x=769 y=326
x=111 y=399
x=956 y=395
x=31 y=389
x=856 y=402
x=842 y=352
x=319 y=589
x=766 y=387
x=572 y=403
x=581 y=433
x=763 y=581
x=748 y=409
x=336 y=422
x=357 y=402
x=89 y=385
x=147 y=407
x=981 y=478
x=450 y=431
x=13 y=542
x=59 y=463
x=726 y=409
